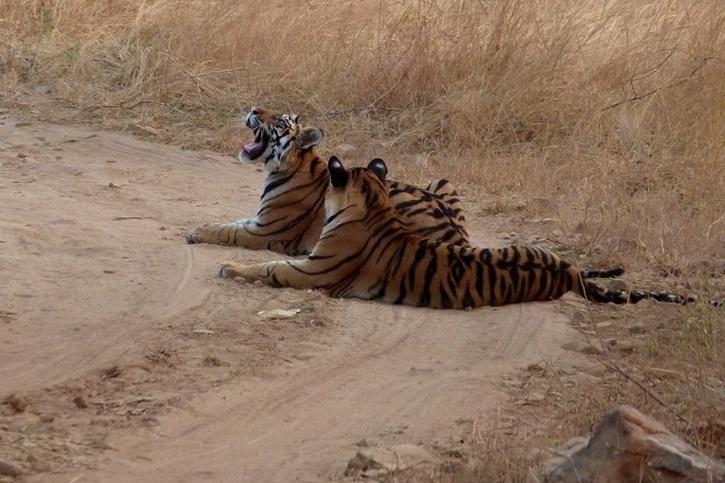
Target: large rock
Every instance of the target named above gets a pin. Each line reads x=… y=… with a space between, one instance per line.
x=627 y=446
x=376 y=461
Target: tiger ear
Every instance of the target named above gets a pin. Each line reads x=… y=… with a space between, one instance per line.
x=310 y=138
x=377 y=166
x=295 y=118
x=338 y=173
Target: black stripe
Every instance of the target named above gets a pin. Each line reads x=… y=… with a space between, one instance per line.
x=276 y=183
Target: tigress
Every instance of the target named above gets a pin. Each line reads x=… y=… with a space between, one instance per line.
x=291 y=212
x=366 y=252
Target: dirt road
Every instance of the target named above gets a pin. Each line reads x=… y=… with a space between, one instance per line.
x=134 y=363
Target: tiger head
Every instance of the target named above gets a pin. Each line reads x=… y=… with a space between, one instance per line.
x=259 y=120
x=356 y=191
x=275 y=137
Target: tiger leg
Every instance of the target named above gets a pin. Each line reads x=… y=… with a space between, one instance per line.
x=282 y=273
x=231 y=234
x=239 y=234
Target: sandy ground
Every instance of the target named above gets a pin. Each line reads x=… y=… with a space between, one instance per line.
x=123 y=358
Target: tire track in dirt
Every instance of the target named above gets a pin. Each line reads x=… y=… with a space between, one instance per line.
x=388 y=374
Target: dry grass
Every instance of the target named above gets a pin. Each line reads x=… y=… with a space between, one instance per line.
x=607 y=117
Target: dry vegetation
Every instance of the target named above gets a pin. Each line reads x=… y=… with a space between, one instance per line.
x=606 y=118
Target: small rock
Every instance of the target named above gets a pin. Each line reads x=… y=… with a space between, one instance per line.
x=278 y=314
x=574 y=346
x=38 y=464
x=42 y=89
x=591 y=350
x=580 y=379
x=421 y=159
x=533 y=398
x=113 y=185
x=203 y=331
x=23 y=124
x=450 y=449
x=636 y=328
x=111 y=372
x=22 y=155
x=80 y=402
x=135 y=128
x=47 y=418
x=345 y=148
x=365 y=443
x=17 y=403
x=625 y=346
x=212 y=361
x=376 y=461
x=9 y=470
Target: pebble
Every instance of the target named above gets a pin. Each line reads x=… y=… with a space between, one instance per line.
x=80 y=402
x=8 y=470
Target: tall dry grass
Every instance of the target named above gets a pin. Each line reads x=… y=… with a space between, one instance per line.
x=612 y=110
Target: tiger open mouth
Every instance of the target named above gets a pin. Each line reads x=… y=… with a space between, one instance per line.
x=255 y=149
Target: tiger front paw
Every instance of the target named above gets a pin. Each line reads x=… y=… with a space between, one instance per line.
x=191 y=238
x=228 y=270
x=206 y=233
x=194 y=236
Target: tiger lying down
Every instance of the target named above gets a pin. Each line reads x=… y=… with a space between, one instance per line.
x=366 y=252
x=291 y=210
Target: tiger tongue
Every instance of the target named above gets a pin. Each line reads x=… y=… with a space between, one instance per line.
x=253 y=149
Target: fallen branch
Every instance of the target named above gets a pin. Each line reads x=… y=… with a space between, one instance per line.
x=609 y=363
x=124 y=218
x=639 y=97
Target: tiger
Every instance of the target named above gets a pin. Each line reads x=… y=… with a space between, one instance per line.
x=291 y=213
x=366 y=252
